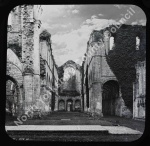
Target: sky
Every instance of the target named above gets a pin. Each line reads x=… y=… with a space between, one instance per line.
x=70 y=26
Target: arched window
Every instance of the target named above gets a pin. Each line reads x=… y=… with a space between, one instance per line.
x=9 y=19
x=111 y=43
x=137 y=43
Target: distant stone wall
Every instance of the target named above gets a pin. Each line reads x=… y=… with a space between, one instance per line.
x=62 y=102
x=70 y=77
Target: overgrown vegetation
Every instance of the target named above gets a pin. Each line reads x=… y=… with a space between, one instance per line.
x=124 y=56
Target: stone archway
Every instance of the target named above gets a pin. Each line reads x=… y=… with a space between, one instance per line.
x=109 y=95
x=12 y=96
x=69 y=105
x=77 y=105
x=61 y=105
x=15 y=79
x=14 y=67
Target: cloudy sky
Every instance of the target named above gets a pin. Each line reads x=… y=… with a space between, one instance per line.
x=71 y=25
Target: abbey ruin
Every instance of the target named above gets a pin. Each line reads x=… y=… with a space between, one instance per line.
x=33 y=78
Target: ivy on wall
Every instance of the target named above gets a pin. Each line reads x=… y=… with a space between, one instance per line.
x=67 y=88
x=124 y=56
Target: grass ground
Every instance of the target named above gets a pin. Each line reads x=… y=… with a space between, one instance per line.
x=78 y=119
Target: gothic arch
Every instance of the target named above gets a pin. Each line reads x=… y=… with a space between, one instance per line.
x=12 y=58
x=61 y=105
x=12 y=96
x=110 y=93
x=108 y=79
x=14 y=72
x=69 y=104
x=77 y=105
x=14 y=67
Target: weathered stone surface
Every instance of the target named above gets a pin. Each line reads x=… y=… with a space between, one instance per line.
x=139 y=91
x=31 y=65
x=70 y=79
x=97 y=69
x=24 y=64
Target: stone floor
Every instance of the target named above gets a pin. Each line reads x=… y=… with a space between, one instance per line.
x=110 y=129
x=59 y=126
x=79 y=118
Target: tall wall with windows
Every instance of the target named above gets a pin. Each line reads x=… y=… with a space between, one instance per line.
x=102 y=91
x=49 y=75
x=69 y=98
x=31 y=68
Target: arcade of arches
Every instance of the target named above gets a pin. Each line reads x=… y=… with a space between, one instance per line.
x=69 y=105
x=91 y=87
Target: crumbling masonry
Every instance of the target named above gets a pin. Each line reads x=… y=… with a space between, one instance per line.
x=33 y=78
x=101 y=88
x=31 y=67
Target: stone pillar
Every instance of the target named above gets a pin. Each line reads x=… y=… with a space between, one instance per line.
x=96 y=86
x=27 y=52
x=121 y=101
x=56 y=104
x=81 y=104
x=85 y=106
x=36 y=63
x=98 y=98
x=65 y=105
x=107 y=41
x=20 y=101
x=28 y=87
x=73 y=104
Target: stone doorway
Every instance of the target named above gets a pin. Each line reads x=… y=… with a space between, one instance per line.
x=69 y=105
x=77 y=105
x=61 y=106
x=109 y=96
x=12 y=97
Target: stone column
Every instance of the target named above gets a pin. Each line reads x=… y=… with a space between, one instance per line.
x=56 y=104
x=107 y=41
x=65 y=105
x=36 y=63
x=73 y=104
x=121 y=101
x=96 y=86
x=98 y=98
x=28 y=87
x=27 y=52
x=85 y=107
x=81 y=104
x=20 y=101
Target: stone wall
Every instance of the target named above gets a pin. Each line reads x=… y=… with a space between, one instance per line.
x=99 y=72
x=139 y=91
x=71 y=79
x=124 y=55
x=25 y=64
x=65 y=99
x=48 y=69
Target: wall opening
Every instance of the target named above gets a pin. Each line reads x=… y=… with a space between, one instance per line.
x=69 y=105
x=77 y=105
x=137 y=43
x=109 y=96
x=12 y=97
x=61 y=105
x=111 y=43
